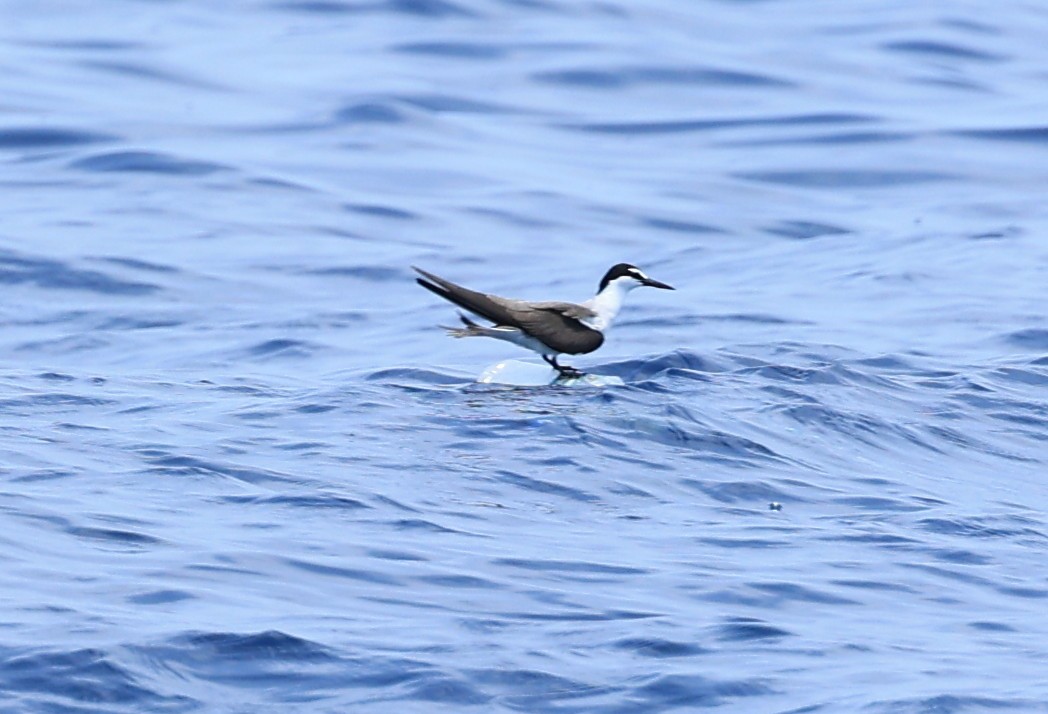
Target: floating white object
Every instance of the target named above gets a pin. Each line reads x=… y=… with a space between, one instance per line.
x=517 y=373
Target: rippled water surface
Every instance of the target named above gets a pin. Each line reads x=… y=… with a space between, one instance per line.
x=242 y=470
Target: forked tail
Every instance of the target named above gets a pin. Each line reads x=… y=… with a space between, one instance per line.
x=471 y=328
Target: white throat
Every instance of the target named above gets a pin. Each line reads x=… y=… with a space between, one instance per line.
x=608 y=302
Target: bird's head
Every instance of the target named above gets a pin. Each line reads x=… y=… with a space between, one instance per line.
x=627 y=277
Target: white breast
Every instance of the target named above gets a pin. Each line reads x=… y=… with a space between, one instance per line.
x=608 y=302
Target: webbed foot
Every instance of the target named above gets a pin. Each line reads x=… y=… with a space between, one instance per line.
x=565 y=371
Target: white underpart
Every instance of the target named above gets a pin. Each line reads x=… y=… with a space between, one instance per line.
x=608 y=301
x=517 y=337
x=606 y=304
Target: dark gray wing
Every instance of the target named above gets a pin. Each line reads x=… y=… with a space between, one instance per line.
x=490 y=307
x=557 y=325
x=570 y=309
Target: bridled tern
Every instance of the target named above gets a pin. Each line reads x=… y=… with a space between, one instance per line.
x=549 y=328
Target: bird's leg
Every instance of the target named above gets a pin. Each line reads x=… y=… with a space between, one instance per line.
x=564 y=370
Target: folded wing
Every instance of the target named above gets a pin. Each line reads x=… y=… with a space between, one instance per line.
x=490 y=307
x=559 y=327
x=556 y=324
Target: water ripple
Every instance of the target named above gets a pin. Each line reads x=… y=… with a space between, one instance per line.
x=948 y=50
x=17 y=138
x=835 y=179
x=82 y=677
x=149 y=162
x=677 y=126
x=46 y=273
x=623 y=77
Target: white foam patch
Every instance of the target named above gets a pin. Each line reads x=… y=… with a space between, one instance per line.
x=518 y=373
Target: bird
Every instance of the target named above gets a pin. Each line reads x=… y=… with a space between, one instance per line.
x=548 y=328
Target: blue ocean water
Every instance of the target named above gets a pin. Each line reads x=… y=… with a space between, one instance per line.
x=243 y=471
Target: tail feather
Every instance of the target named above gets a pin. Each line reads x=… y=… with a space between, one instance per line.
x=471 y=328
